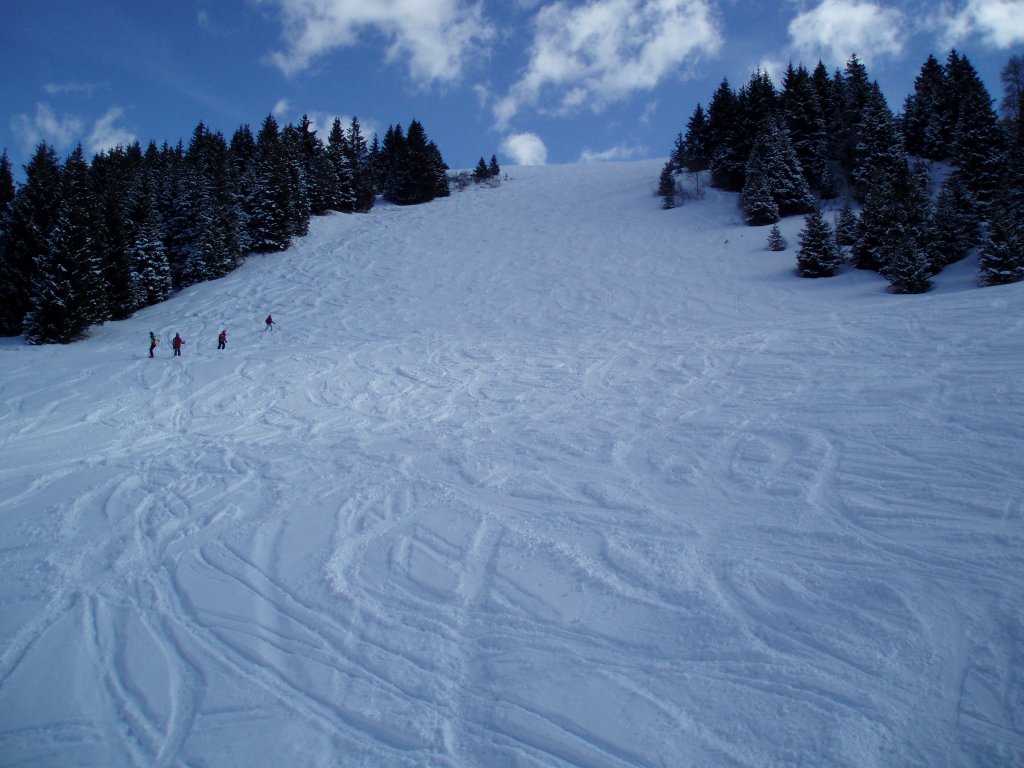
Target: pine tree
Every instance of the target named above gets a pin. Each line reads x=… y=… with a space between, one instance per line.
x=695 y=149
x=342 y=196
x=241 y=157
x=846 y=225
x=879 y=147
x=775 y=185
x=1002 y=253
x=150 y=271
x=727 y=163
x=977 y=147
x=300 y=206
x=903 y=261
x=806 y=124
x=667 y=186
x=956 y=222
x=32 y=217
x=925 y=132
x=364 y=184
x=6 y=188
x=897 y=207
x=480 y=172
x=270 y=198
x=1012 y=77
x=112 y=173
x=493 y=169
x=776 y=241
x=759 y=205
x=68 y=290
x=818 y=255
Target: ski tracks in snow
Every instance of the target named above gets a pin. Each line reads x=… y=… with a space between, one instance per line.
x=542 y=489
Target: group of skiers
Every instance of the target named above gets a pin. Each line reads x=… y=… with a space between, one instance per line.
x=177 y=342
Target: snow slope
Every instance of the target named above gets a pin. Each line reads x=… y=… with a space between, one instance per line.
x=539 y=475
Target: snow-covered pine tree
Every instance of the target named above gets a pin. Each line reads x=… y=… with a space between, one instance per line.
x=956 y=222
x=493 y=169
x=480 y=172
x=31 y=219
x=818 y=255
x=667 y=186
x=846 y=225
x=903 y=261
x=318 y=172
x=726 y=161
x=69 y=292
x=774 y=171
x=758 y=197
x=695 y=149
x=897 y=202
x=299 y=181
x=150 y=272
x=270 y=201
x=6 y=189
x=805 y=122
x=977 y=147
x=1001 y=257
x=342 y=196
x=241 y=158
x=364 y=185
x=776 y=241
x=112 y=172
x=926 y=132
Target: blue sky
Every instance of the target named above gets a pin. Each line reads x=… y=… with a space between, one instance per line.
x=531 y=81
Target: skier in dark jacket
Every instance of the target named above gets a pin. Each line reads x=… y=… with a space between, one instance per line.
x=222 y=339
x=153 y=341
x=270 y=323
x=176 y=342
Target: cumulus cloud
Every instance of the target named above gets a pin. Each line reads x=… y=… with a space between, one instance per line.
x=280 y=108
x=45 y=125
x=525 y=149
x=434 y=37
x=835 y=29
x=590 y=55
x=999 y=23
x=106 y=134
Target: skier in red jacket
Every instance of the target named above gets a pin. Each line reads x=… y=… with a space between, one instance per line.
x=176 y=342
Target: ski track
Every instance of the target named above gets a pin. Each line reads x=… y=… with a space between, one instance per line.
x=521 y=479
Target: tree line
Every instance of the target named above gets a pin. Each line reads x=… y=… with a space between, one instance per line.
x=823 y=136
x=85 y=241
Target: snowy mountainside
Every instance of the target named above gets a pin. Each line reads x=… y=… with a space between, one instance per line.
x=539 y=475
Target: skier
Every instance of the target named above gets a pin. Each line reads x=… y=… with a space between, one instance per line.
x=222 y=339
x=270 y=323
x=176 y=342
x=153 y=341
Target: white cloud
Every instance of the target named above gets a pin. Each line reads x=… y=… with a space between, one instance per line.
x=525 y=149
x=280 y=108
x=74 y=89
x=999 y=23
x=590 y=55
x=835 y=29
x=615 y=154
x=106 y=135
x=46 y=126
x=435 y=37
